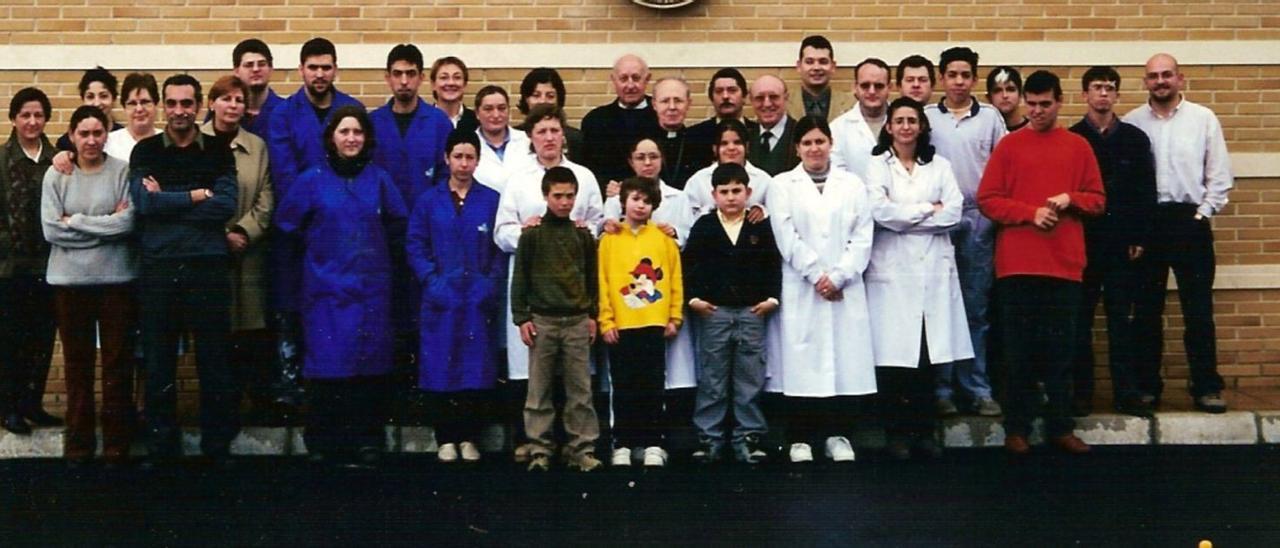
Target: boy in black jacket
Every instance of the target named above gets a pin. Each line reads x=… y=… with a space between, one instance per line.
x=733 y=280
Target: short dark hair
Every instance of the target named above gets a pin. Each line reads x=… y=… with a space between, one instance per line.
x=914 y=61
x=558 y=175
x=810 y=123
x=730 y=173
x=958 y=53
x=1041 y=81
x=139 y=80
x=1095 y=73
x=874 y=61
x=461 y=137
x=349 y=111
x=316 y=47
x=224 y=85
x=84 y=112
x=816 y=41
x=643 y=185
x=491 y=90
x=100 y=75
x=728 y=72
x=1006 y=73
x=251 y=45
x=408 y=53
x=540 y=75
x=735 y=126
x=543 y=112
x=27 y=95
x=450 y=60
x=184 y=80
x=884 y=141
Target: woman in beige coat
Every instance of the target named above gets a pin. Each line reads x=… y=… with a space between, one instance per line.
x=252 y=345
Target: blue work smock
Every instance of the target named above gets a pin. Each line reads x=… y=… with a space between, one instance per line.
x=347 y=227
x=462 y=275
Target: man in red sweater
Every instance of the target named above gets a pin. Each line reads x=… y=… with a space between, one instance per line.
x=1036 y=187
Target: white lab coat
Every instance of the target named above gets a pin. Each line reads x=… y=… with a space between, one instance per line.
x=697 y=189
x=682 y=370
x=493 y=171
x=912 y=277
x=522 y=198
x=852 y=141
x=826 y=346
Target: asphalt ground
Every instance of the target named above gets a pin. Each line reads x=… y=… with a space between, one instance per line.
x=1116 y=496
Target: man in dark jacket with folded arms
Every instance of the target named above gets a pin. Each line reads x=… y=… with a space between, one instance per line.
x=183 y=186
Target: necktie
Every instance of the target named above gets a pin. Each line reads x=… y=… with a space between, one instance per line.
x=764 y=140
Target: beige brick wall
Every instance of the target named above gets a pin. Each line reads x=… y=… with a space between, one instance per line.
x=600 y=21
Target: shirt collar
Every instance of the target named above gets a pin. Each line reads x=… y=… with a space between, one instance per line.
x=643 y=104
x=725 y=221
x=1182 y=100
x=169 y=143
x=777 y=128
x=974 y=107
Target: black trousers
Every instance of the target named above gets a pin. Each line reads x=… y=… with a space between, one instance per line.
x=1039 y=322
x=637 y=367
x=190 y=293
x=346 y=415
x=460 y=416
x=1184 y=245
x=906 y=397
x=1119 y=283
x=27 y=328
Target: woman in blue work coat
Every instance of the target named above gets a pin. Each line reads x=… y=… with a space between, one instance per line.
x=348 y=214
x=461 y=272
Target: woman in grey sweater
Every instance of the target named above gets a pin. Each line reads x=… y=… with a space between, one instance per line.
x=87 y=218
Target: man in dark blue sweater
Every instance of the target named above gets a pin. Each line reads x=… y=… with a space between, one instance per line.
x=733 y=279
x=1114 y=242
x=183 y=187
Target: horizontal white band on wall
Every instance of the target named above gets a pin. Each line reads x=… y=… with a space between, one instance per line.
x=1255 y=165
x=1242 y=276
x=691 y=55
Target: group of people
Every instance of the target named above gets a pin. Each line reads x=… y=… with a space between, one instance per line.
x=744 y=274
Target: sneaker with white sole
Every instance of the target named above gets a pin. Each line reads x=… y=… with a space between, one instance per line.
x=447 y=453
x=655 y=456
x=585 y=462
x=621 y=457
x=470 y=452
x=801 y=452
x=839 y=449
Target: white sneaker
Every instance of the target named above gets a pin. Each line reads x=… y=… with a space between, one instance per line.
x=470 y=452
x=800 y=452
x=448 y=453
x=839 y=449
x=655 y=456
x=621 y=457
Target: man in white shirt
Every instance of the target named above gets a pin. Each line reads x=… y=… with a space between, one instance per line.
x=965 y=132
x=1193 y=176
x=855 y=132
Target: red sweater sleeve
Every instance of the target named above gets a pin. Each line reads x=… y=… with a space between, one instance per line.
x=995 y=197
x=1089 y=199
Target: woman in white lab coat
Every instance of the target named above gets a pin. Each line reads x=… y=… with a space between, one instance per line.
x=822 y=220
x=913 y=290
x=523 y=205
x=504 y=150
x=730 y=146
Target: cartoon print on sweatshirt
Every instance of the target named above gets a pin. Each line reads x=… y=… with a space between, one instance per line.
x=643 y=290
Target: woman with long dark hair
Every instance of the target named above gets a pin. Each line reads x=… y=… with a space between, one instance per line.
x=917 y=314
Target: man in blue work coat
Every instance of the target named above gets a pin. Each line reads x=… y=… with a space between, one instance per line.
x=294 y=143
x=411 y=137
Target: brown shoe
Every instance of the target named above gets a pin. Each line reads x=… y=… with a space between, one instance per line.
x=1016 y=445
x=1070 y=444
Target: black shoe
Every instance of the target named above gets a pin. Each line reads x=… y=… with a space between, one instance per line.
x=1134 y=406
x=897 y=449
x=38 y=417
x=14 y=422
x=708 y=452
x=928 y=446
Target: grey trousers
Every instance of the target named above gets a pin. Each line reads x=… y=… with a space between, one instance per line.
x=730 y=357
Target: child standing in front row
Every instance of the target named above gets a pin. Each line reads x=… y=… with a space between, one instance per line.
x=553 y=301
x=641 y=305
x=734 y=283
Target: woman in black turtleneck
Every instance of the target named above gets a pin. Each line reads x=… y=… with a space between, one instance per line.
x=350 y=218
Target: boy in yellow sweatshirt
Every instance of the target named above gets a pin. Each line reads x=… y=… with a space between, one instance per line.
x=641 y=305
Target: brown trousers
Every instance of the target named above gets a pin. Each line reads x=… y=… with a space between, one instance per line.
x=562 y=345
x=111 y=309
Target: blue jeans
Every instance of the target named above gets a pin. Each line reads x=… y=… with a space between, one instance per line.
x=730 y=353
x=975 y=247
